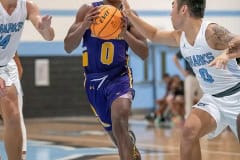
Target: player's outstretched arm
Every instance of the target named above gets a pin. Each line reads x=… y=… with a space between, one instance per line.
x=135 y=40
x=220 y=38
x=176 y=59
x=84 y=18
x=170 y=38
x=41 y=23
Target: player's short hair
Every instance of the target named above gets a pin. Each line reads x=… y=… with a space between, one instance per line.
x=196 y=7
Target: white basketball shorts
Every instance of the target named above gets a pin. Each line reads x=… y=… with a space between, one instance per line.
x=10 y=74
x=224 y=110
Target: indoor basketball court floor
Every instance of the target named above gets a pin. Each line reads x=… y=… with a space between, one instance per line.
x=82 y=138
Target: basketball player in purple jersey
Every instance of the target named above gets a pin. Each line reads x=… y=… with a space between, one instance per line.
x=108 y=78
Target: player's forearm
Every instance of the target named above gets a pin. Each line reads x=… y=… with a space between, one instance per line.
x=234 y=55
x=180 y=68
x=47 y=34
x=234 y=48
x=138 y=46
x=73 y=39
x=147 y=30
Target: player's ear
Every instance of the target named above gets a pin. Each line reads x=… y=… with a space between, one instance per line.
x=184 y=9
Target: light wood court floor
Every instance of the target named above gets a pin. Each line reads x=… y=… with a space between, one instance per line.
x=154 y=143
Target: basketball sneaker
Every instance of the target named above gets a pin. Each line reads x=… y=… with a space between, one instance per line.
x=136 y=153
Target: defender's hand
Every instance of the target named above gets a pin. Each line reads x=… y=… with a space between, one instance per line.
x=126 y=7
x=45 y=23
x=220 y=61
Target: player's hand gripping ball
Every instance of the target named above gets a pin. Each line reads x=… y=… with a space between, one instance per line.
x=108 y=25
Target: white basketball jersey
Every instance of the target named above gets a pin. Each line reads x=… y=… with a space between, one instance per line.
x=211 y=79
x=11 y=27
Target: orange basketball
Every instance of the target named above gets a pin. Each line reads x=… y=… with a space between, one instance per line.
x=108 y=25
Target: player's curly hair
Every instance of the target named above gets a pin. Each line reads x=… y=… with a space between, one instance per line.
x=196 y=7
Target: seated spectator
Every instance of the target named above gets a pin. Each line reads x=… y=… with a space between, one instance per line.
x=192 y=89
x=176 y=103
x=161 y=102
x=172 y=103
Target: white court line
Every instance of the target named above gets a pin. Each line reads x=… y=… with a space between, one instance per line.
x=71 y=157
x=50 y=145
x=114 y=151
x=221 y=152
x=171 y=148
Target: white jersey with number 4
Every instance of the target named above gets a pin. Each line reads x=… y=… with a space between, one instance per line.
x=11 y=27
x=211 y=79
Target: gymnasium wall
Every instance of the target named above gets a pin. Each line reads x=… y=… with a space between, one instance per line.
x=55 y=92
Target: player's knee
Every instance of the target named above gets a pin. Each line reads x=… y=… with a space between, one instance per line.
x=122 y=112
x=11 y=113
x=9 y=107
x=120 y=107
x=189 y=133
x=13 y=120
